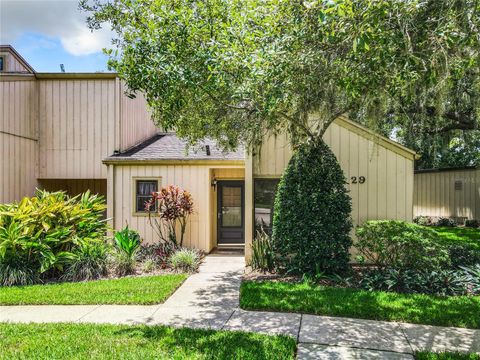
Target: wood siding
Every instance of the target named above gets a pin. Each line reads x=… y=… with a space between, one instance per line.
x=388 y=190
x=77 y=129
x=194 y=178
x=75 y=187
x=136 y=124
x=18 y=139
x=12 y=64
x=435 y=194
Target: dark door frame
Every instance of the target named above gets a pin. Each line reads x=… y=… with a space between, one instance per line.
x=220 y=184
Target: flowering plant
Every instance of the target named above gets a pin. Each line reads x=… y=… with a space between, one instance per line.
x=172 y=205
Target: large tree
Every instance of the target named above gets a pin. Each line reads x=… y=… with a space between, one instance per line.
x=234 y=70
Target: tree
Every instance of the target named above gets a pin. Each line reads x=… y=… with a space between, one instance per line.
x=311 y=222
x=234 y=70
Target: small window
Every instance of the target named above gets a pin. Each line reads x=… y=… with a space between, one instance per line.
x=264 y=197
x=144 y=190
x=458 y=184
x=2 y=63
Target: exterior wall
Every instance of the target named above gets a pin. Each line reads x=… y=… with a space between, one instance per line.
x=388 y=190
x=12 y=64
x=74 y=187
x=435 y=194
x=18 y=138
x=194 y=178
x=136 y=124
x=77 y=120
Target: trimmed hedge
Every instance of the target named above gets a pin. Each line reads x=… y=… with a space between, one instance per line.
x=311 y=221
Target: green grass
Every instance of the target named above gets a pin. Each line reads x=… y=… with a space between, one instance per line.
x=460 y=311
x=445 y=356
x=87 y=341
x=128 y=290
x=459 y=235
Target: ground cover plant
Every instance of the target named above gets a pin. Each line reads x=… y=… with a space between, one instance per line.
x=42 y=236
x=86 y=341
x=445 y=356
x=458 y=311
x=128 y=290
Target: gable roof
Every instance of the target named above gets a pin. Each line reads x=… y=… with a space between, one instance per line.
x=10 y=49
x=167 y=147
x=394 y=146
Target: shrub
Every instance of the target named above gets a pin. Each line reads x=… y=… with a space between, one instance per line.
x=423 y=220
x=445 y=221
x=472 y=276
x=148 y=265
x=185 y=260
x=89 y=262
x=311 y=221
x=463 y=254
x=401 y=246
x=473 y=223
x=158 y=253
x=173 y=206
x=437 y=282
x=127 y=244
x=39 y=235
x=262 y=253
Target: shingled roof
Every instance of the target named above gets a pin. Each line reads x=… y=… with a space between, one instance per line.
x=169 y=147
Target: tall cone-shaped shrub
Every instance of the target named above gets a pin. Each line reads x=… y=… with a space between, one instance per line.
x=311 y=222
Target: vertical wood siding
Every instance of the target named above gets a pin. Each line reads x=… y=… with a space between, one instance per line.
x=435 y=194
x=194 y=178
x=18 y=139
x=388 y=190
x=136 y=124
x=77 y=119
x=13 y=65
x=75 y=187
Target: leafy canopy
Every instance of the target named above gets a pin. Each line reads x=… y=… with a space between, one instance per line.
x=236 y=69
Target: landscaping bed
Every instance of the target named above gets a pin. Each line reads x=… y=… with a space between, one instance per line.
x=142 y=290
x=445 y=356
x=303 y=297
x=85 y=341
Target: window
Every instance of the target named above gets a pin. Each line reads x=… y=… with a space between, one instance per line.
x=264 y=197
x=143 y=193
x=2 y=63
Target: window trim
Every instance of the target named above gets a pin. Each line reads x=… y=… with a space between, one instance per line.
x=135 y=179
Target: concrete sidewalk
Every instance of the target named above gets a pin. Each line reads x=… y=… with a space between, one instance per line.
x=209 y=299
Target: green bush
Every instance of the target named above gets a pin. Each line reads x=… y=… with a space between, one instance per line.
x=89 y=262
x=262 y=253
x=463 y=254
x=401 y=246
x=445 y=221
x=473 y=223
x=39 y=235
x=423 y=220
x=185 y=260
x=127 y=245
x=311 y=221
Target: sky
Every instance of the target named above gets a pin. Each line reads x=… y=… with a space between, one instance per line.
x=48 y=33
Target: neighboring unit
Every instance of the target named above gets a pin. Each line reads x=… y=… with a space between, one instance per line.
x=79 y=131
x=453 y=193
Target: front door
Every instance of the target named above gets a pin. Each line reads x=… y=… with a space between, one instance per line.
x=230 y=216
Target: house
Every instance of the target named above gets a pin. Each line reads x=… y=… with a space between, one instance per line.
x=79 y=131
x=452 y=193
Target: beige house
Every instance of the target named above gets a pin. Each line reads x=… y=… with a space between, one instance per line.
x=79 y=131
x=453 y=193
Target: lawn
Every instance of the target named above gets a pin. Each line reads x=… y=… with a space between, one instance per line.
x=459 y=235
x=460 y=311
x=87 y=341
x=445 y=356
x=128 y=290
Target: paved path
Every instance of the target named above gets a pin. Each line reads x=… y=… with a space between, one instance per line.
x=209 y=299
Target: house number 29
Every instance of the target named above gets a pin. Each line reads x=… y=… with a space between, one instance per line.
x=359 y=180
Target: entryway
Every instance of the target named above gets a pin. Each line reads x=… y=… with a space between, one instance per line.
x=230 y=213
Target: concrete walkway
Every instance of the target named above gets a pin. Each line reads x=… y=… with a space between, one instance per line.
x=209 y=299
